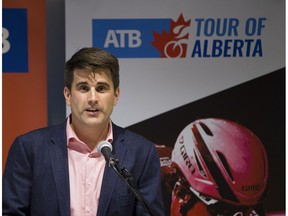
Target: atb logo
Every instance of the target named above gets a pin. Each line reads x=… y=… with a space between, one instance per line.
x=173 y=44
x=138 y=38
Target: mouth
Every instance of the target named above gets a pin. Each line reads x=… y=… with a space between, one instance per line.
x=92 y=110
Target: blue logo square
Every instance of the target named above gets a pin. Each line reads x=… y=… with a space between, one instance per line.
x=128 y=38
x=14 y=40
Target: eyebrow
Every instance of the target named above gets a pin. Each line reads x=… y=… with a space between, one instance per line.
x=98 y=83
x=103 y=83
x=81 y=83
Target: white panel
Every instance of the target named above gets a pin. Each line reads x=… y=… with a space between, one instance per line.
x=152 y=86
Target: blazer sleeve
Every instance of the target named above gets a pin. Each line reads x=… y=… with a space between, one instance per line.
x=17 y=181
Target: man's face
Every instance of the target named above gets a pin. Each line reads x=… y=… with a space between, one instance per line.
x=92 y=98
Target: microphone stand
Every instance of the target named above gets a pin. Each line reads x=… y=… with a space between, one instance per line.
x=124 y=174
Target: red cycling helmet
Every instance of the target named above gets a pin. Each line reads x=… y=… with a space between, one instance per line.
x=222 y=160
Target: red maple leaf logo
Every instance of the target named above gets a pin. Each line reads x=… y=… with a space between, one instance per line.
x=171 y=44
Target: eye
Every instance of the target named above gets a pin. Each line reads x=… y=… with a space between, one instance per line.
x=83 y=88
x=102 y=88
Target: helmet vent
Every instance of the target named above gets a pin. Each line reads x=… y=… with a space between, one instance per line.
x=223 y=187
x=200 y=167
x=225 y=164
x=206 y=129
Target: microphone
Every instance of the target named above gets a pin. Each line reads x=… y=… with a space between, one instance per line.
x=105 y=148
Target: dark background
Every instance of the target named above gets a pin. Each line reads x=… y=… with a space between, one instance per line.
x=258 y=105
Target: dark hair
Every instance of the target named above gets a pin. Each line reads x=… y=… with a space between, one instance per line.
x=92 y=59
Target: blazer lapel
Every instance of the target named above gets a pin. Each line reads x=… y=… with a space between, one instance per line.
x=108 y=185
x=110 y=176
x=59 y=162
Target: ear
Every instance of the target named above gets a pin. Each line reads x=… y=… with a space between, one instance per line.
x=116 y=94
x=67 y=95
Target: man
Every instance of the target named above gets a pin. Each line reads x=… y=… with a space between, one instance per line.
x=58 y=171
x=217 y=168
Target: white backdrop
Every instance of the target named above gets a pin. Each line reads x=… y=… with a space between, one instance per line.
x=150 y=86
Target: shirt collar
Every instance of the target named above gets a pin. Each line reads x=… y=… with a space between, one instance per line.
x=73 y=138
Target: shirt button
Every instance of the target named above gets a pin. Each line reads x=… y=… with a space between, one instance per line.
x=87 y=210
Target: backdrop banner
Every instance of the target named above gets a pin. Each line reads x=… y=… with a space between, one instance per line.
x=24 y=69
x=182 y=61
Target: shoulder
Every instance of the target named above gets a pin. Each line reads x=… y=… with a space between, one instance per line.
x=133 y=143
x=129 y=136
x=41 y=134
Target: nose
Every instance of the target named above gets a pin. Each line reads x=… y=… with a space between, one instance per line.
x=92 y=96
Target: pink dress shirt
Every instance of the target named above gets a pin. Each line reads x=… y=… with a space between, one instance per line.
x=86 y=169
